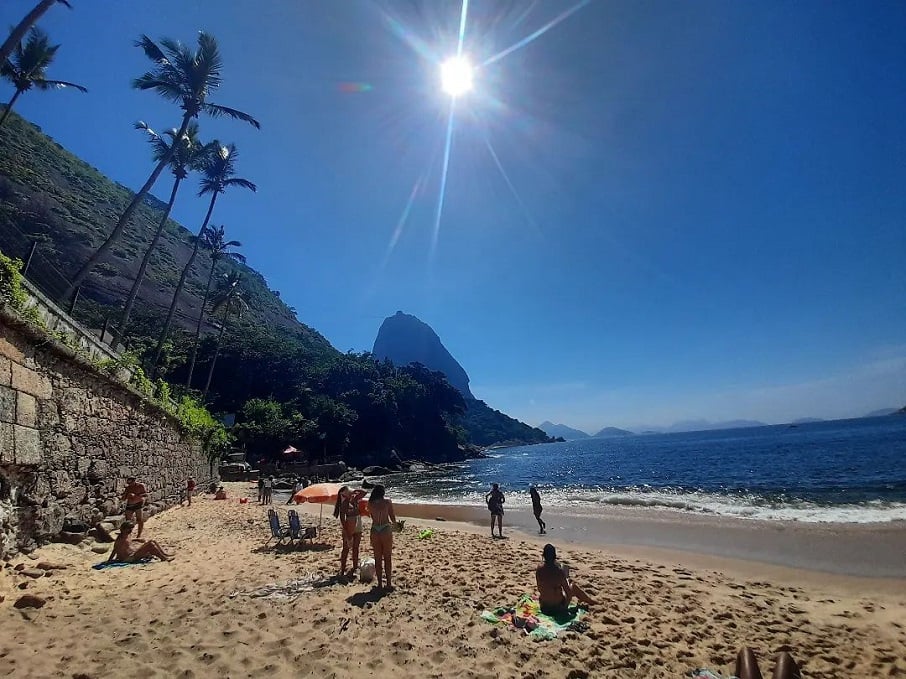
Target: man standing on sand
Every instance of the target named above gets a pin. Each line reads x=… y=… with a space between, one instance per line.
x=495 y=500
x=268 y=489
x=134 y=495
x=537 y=509
x=190 y=489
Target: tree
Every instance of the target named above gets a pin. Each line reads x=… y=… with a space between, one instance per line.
x=187 y=156
x=26 y=67
x=218 y=174
x=229 y=300
x=183 y=77
x=213 y=239
x=19 y=31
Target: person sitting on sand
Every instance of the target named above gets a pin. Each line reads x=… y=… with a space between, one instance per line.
x=495 y=500
x=124 y=551
x=555 y=591
x=220 y=494
x=346 y=509
x=383 y=519
x=537 y=509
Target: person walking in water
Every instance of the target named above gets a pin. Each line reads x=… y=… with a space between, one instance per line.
x=346 y=509
x=495 y=500
x=383 y=520
x=537 y=509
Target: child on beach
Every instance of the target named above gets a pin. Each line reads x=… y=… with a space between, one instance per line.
x=495 y=500
x=346 y=509
x=383 y=519
x=537 y=509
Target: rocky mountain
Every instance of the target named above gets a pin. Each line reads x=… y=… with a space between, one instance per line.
x=404 y=339
x=610 y=432
x=562 y=431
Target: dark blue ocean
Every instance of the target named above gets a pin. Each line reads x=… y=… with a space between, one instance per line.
x=844 y=470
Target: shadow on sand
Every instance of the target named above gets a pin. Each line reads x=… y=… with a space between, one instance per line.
x=372 y=596
x=289 y=549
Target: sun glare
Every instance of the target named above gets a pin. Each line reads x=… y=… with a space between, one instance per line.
x=456 y=76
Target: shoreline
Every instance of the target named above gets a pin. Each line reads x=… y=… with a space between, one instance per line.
x=866 y=552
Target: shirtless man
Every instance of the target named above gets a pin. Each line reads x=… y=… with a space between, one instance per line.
x=123 y=550
x=555 y=591
x=134 y=495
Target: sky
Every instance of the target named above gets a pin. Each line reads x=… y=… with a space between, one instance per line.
x=653 y=211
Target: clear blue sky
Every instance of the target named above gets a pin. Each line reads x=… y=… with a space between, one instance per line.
x=706 y=208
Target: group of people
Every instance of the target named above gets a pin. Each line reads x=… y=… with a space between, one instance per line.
x=348 y=509
x=126 y=549
x=495 y=500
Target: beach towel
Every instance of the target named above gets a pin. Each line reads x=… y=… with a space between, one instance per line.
x=104 y=565
x=527 y=615
x=427 y=533
x=708 y=674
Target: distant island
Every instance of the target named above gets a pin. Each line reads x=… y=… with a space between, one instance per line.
x=610 y=432
x=807 y=420
x=562 y=431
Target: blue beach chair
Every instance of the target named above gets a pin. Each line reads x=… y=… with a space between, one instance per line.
x=299 y=532
x=278 y=532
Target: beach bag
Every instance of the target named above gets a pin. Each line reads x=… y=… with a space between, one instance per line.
x=366 y=570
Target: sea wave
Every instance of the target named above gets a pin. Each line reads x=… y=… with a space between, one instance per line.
x=741 y=506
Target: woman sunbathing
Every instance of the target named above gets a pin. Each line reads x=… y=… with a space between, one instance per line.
x=123 y=550
x=555 y=590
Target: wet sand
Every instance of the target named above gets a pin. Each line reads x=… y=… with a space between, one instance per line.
x=658 y=617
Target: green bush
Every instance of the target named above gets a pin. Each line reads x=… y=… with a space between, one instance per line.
x=11 y=291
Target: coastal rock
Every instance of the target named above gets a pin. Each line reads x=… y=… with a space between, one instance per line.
x=100 y=549
x=376 y=470
x=29 y=601
x=48 y=566
x=70 y=538
x=32 y=572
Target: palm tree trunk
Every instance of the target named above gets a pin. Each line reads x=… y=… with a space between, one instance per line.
x=124 y=218
x=179 y=286
x=9 y=107
x=133 y=293
x=223 y=322
x=16 y=35
x=204 y=303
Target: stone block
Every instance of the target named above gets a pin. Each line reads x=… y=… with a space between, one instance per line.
x=7 y=404
x=30 y=381
x=28 y=445
x=10 y=351
x=6 y=371
x=26 y=410
x=7 y=443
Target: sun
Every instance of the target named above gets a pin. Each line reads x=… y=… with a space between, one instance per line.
x=456 y=76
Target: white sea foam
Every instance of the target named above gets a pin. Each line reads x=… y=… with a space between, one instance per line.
x=742 y=507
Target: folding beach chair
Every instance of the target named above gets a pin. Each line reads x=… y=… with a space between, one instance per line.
x=299 y=532
x=278 y=532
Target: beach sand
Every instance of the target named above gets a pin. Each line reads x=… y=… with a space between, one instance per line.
x=660 y=615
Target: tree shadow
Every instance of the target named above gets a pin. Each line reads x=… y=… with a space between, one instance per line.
x=372 y=596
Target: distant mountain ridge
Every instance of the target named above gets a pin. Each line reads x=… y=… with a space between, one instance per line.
x=609 y=432
x=562 y=431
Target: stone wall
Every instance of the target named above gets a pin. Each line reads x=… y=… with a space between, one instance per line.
x=70 y=435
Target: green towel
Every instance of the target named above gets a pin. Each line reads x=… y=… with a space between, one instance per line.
x=527 y=615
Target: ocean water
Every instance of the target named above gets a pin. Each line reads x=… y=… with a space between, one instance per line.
x=838 y=471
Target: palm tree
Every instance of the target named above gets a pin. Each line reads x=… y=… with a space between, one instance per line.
x=188 y=156
x=229 y=300
x=214 y=241
x=185 y=78
x=218 y=175
x=27 y=66
x=17 y=33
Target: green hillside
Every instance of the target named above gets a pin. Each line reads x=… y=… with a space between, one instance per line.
x=284 y=380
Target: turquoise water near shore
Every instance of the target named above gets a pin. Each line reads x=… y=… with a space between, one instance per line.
x=841 y=471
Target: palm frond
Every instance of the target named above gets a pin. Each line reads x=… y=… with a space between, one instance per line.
x=151 y=50
x=217 y=111
x=166 y=88
x=239 y=257
x=43 y=84
x=207 y=65
x=239 y=181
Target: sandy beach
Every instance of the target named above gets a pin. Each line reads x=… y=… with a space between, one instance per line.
x=662 y=612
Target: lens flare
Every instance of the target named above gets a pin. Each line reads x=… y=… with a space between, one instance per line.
x=456 y=76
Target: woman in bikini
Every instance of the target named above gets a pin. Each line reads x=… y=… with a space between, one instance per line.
x=383 y=519
x=346 y=510
x=555 y=589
